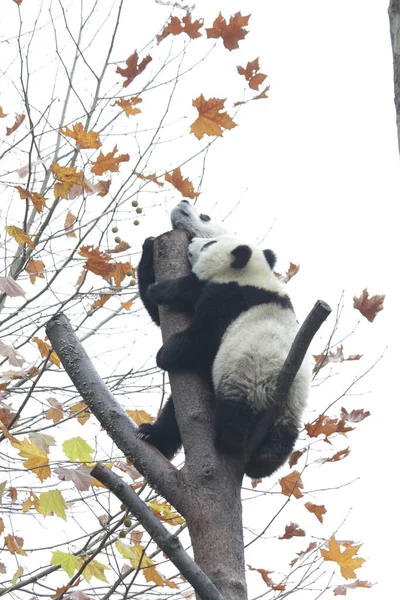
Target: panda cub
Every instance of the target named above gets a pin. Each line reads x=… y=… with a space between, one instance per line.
x=242 y=329
x=164 y=433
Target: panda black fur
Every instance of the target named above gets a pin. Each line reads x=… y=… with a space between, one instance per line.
x=242 y=329
x=164 y=432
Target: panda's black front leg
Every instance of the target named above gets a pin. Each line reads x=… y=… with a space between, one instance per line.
x=146 y=278
x=180 y=294
x=178 y=354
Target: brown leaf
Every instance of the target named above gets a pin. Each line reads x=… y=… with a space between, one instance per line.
x=292 y=484
x=250 y=72
x=232 y=32
x=128 y=105
x=14 y=544
x=310 y=547
x=150 y=177
x=56 y=412
x=120 y=271
x=356 y=416
x=291 y=272
x=35 y=268
x=338 y=456
x=97 y=261
x=317 y=509
x=19 y=119
x=108 y=162
x=368 y=307
x=175 y=27
x=341 y=590
x=292 y=530
x=184 y=186
x=294 y=457
x=101 y=301
x=133 y=67
x=211 y=121
x=70 y=220
x=326 y=426
x=321 y=360
x=81 y=410
x=102 y=187
x=267 y=579
x=83 y=138
x=37 y=200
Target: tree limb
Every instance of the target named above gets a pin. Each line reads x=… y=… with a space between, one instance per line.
x=168 y=542
x=394 y=21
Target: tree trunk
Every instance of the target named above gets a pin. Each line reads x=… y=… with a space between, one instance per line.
x=394 y=20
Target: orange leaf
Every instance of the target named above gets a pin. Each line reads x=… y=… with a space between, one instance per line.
x=18 y=120
x=119 y=272
x=292 y=530
x=267 y=579
x=182 y=185
x=321 y=360
x=83 y=138
x=97 y=261
x=20 y=236
x=70 y=219
x=101 y=301
x=127 y=305
x=108 y=162
x=128 y=105
x=317 y=509
x=338 y=456
x=175 y=27
x=311 y=547
x=140 y=416
x=151 y=177
x=210 y=120
x=346 y=560
x=31 y=501
x=133 y=68
x=37 y=200
x=291 y=484
x=67 y=177
x=326 y=426
x=56 y=412
x=291 y=272
x=368 y=307
x=37 y=459
x=14 y=544
x=231 y=32
x=81 y=410
x=44 y=350
x=251 y=74
x=35 y=268
x=2 y=114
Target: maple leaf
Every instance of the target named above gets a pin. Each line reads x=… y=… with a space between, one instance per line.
x=70 y=220
x=338 y=456
x=52 y=502
x=19 y=119
x=12 y=494
x=294 y=457
x=101 y=187
x=184 y=186
x=133 y=67
x=341 y=590
x=35 y=268
x=44 y=350
x=267 y=579
x=66 y=561
x=164 y=512
x=175 y=27
x=232 y=32
x=326 y=426
x=128 y=105
x=250 y=72
x=77 y=449
x=42 y=441
x=120 y=247
x=210 y=120
x=56 y=412
x=19 y=236
x=83 y=138
x=108 y=162
x=150 y=177
x=119 y=272
x=291 y=484
x=321 y=360
x=67 y=177
x=291 y=272
x=140 y=416
x=292 y=530
x=317 y=509
x=310 y=547
x=6 y=416
x=37 y=200
x=2 y=114
x=138 y=558
x=93 y=569
x=1 y=526
x=37 y=461
x=81 y=476
x=81 y=410
x=356 y=416
x=14 y=358
x=127 y=305
x=368 y=307
x=101 y=301
x=346 y=560
x=14 y=544
x=10 y=287
x=97 y=261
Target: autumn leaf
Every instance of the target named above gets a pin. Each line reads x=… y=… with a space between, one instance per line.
x=291 y=272
x=18 y=2
x=37 y=460
x=150 y=177
x=317 y=509
x=291 y=484
x=184 y=186
x=56 y=412
x=42 y=441
x=133 y=67
x=321 y=360
x=120 y=247
x=175 y=27
x=101 y=187
x=80 y=476
x=10 y=287
x=119 y=272
x=14 y=544
x=108 y=162
x=310 y=547
x=250 y=72
x=338 y=456
x=327 y=426
x=127 y=305
x=6 y=416
x=93 y=569
x=37 y=200
x=137 y=557
x=267 y=579
x=140 y=416
x=70 y=220
x=67 y=177
x=52 y=502
x=355 y=416
x=97 y=261
x=368 y=307
x=294 y=457
x=292 y=530
x=44 y=350
x=35 y=268
x=82 y=412
x=19 y=119
x=341 y=590
x=232 y=32
x=346 y=560
x=165 y=512
x=101 y=301
x=66 y=561
x=77 y=449
x=83 y=138
x=1 y=526
x=211 y=121
x=128 y=105
x=19 y=236
x=2 y=114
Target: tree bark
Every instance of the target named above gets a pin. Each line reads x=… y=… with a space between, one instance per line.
x=394 y=20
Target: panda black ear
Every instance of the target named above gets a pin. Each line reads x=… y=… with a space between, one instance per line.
x=241 y=256
x=270 y=258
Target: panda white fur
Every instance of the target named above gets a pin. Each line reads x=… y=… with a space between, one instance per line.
x=242 y=329
x=164 y=432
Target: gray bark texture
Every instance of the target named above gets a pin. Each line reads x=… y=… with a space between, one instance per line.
x=394 y=20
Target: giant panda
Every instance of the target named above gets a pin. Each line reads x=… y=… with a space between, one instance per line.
x=242 y=329
x=164 y=432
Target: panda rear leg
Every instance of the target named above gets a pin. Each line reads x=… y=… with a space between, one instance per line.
x=273 y=451
x=164 y=433
x=235 y=420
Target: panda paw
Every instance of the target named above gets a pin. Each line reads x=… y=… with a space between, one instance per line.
x=144 y=432
x=158 y=291
x=148 y=243
x=168 y=445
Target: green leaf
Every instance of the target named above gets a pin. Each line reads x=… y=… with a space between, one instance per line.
x=77 y=449
x=52 y=501
x=68 y=562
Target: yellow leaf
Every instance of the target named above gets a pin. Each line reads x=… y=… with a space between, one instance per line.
x=66 y=178
x=44 y=350
x=128 y=105
x=83 y=138
x=37 y=200
x=211 y=121
x=346 y=559
x=127 y=305
x=140 y=416
x=52 y=502
x=32 y=500
x=93 y=569
x=2 y=114
x=77 y=449
x=66 y=561
x=18 y=573
x=19 y=235
x=165 y=512
x=81 y=410
x=37 y=460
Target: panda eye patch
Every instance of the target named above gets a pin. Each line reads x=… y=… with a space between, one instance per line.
x=205 y=217
x=207 y=244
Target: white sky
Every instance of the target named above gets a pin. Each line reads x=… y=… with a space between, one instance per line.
x=317 y=162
